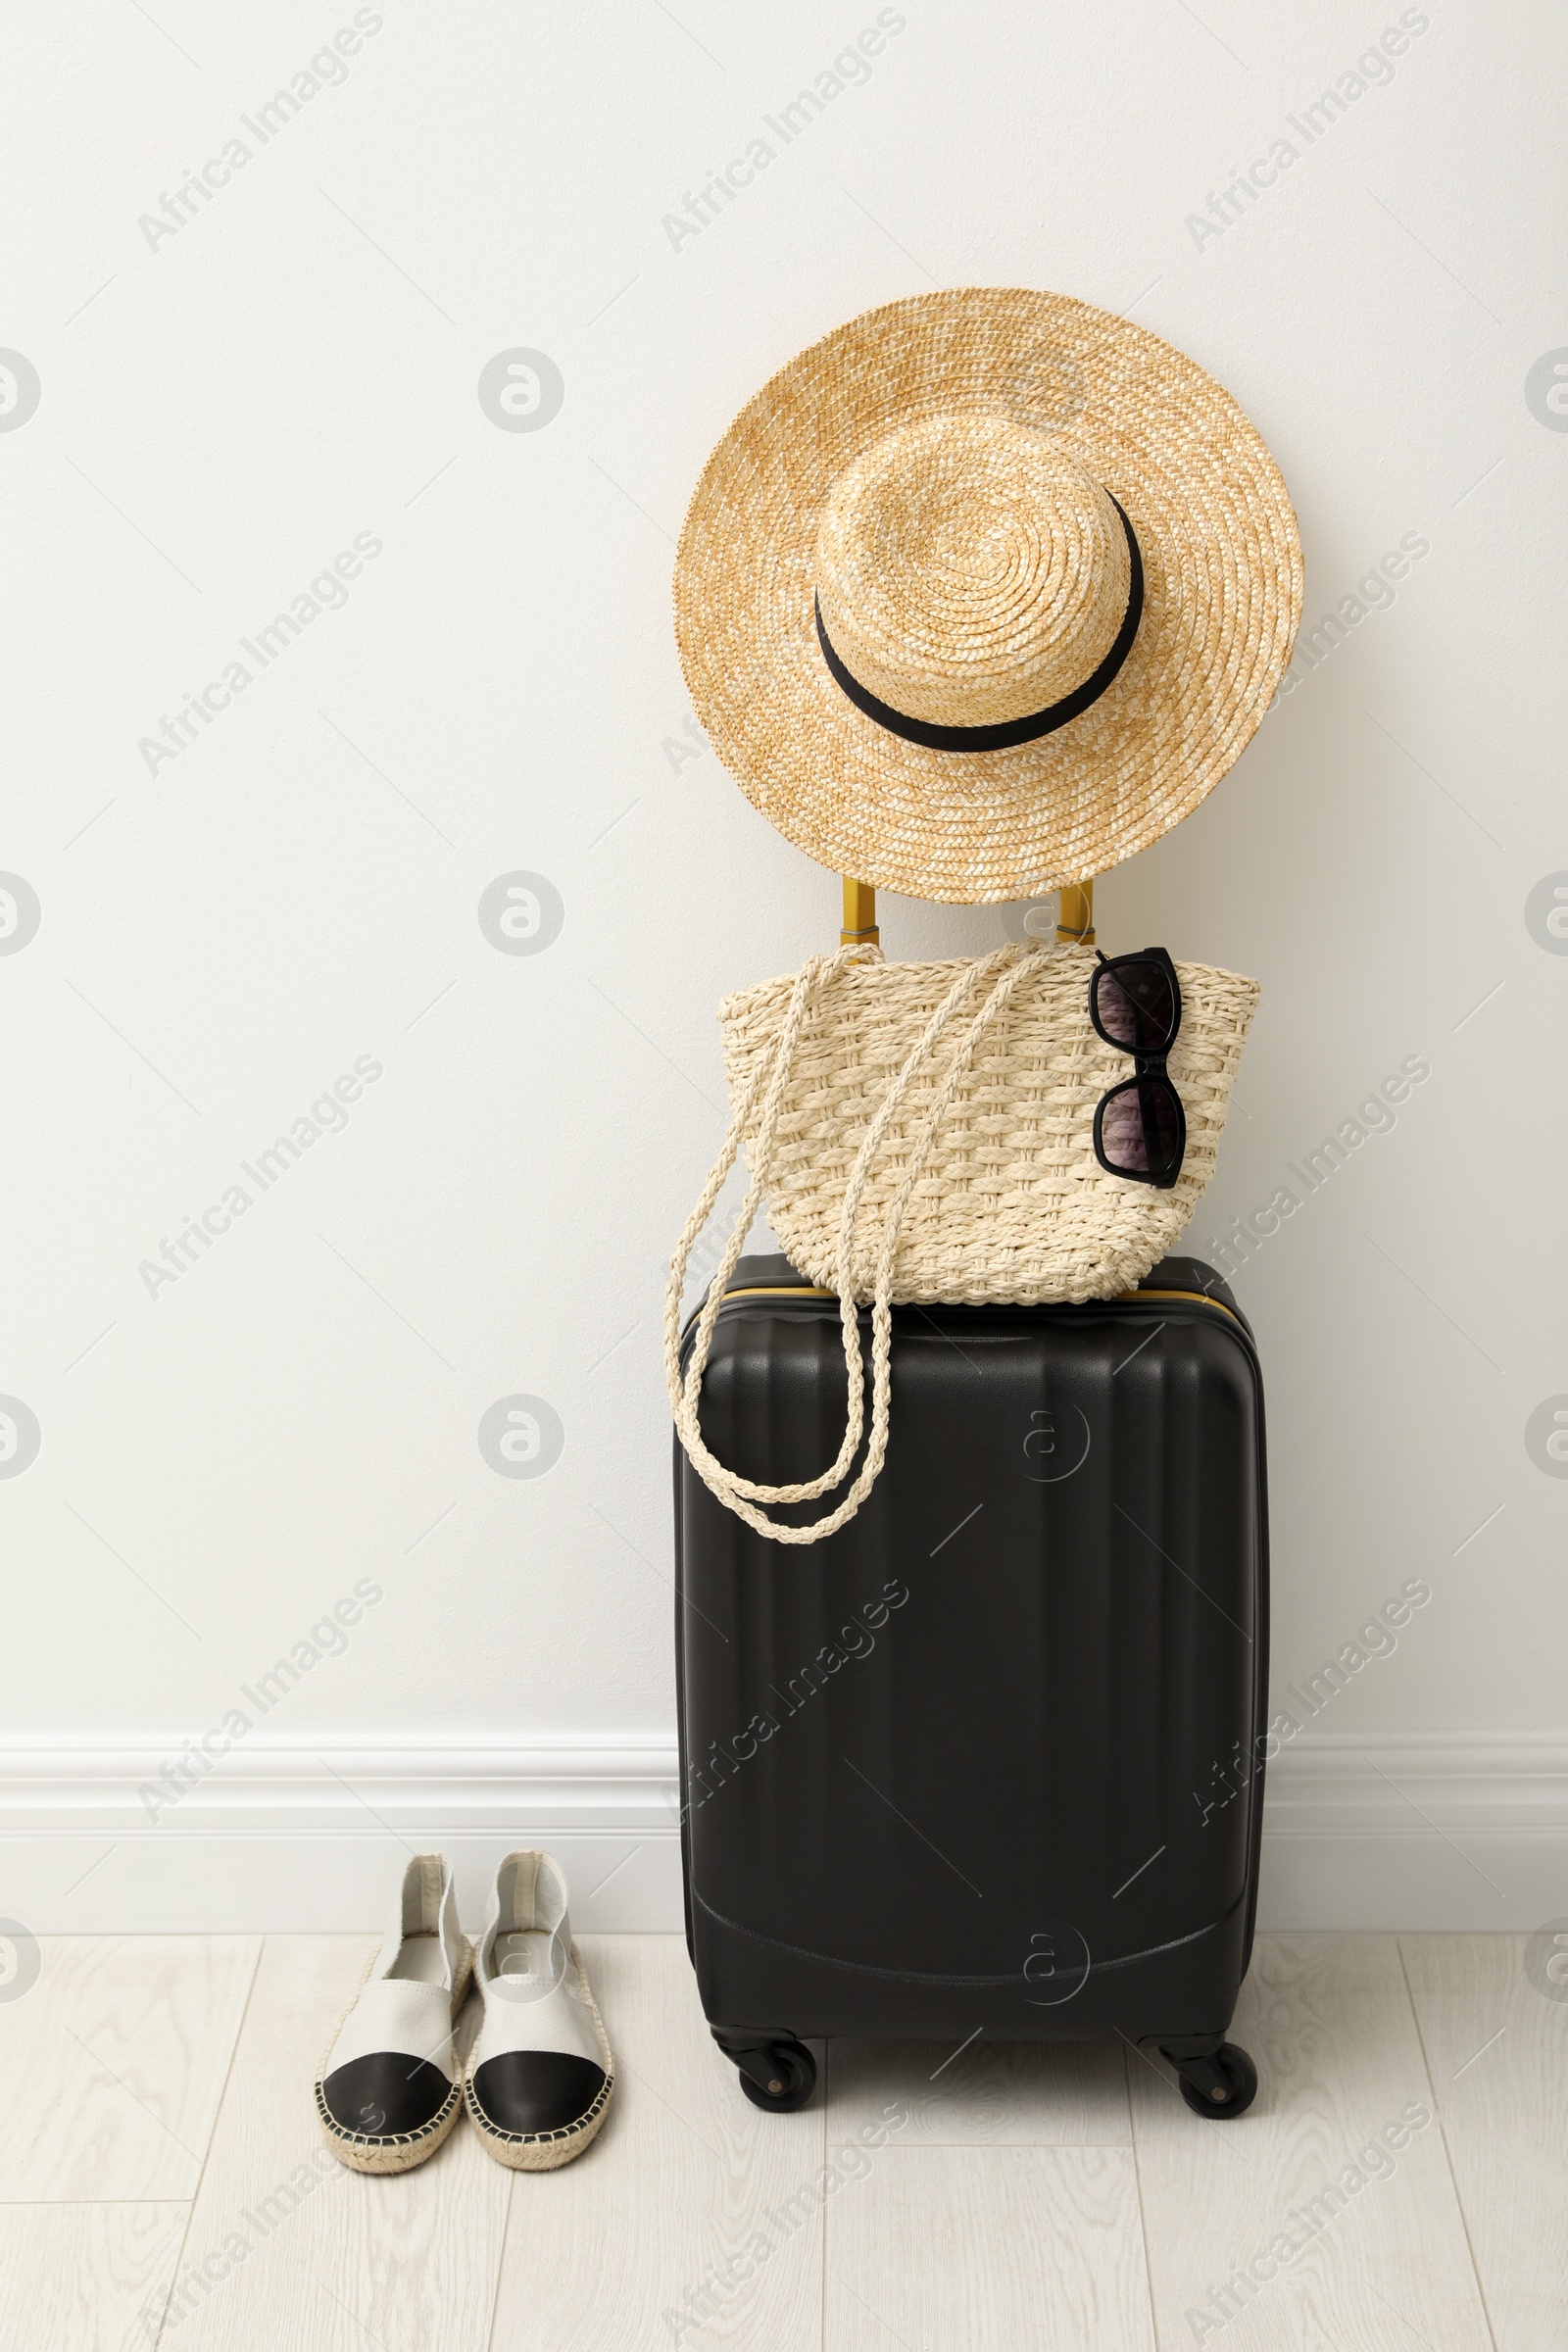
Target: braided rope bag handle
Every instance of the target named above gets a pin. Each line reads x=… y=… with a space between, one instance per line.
x=1008 y=967
x=768 y=1082
x=772 y=1075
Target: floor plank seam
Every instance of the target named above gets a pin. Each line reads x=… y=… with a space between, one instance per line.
x=1143 y=2217
x=52 y=2204
x=500 y=2264
x=212 y=2135
x=1448 y=2152
x=821 y=2283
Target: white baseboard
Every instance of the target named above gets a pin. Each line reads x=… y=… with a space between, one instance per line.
x=1435 y=1830
x=1386 y=1830
x=307 y=1835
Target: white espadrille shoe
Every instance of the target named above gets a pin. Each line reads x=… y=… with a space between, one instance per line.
x=540 y=2076
x=390 y=2087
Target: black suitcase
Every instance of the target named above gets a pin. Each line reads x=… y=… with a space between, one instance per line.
x=989 y=1761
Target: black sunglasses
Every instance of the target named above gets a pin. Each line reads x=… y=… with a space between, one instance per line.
x=1135 y=1002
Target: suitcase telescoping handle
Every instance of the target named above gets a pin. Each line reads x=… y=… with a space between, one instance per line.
x=859 y=915
x=1075 y=916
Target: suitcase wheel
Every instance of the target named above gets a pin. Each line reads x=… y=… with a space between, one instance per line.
x=1220 y=2087
x=777 y=2072
x=785 y=2077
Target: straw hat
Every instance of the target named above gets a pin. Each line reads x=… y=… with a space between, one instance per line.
x=984 y=592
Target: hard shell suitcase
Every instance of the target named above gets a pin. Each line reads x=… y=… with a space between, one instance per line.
x=987 y=1761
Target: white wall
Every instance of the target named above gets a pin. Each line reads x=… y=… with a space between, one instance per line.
x=226 y=407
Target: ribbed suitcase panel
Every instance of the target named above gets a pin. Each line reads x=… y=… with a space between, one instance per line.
x=972 y=1738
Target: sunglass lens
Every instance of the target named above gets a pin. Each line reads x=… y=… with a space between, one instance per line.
x=1135 y=1004
x=1140 y=1128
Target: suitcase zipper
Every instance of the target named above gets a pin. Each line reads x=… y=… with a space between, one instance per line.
x=1130 y=1298
x=1193 y=1297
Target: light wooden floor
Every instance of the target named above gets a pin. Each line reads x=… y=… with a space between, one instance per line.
x=160 y=2182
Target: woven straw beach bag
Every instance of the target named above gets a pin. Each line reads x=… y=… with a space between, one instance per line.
x=922 y=1133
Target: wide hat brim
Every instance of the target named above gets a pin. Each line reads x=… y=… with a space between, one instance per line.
x=1222 y=597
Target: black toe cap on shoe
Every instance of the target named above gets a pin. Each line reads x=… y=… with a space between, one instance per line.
x=385 y=2095
x=529 y=2092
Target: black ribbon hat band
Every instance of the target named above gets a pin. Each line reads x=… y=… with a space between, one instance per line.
x=1007 y=731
